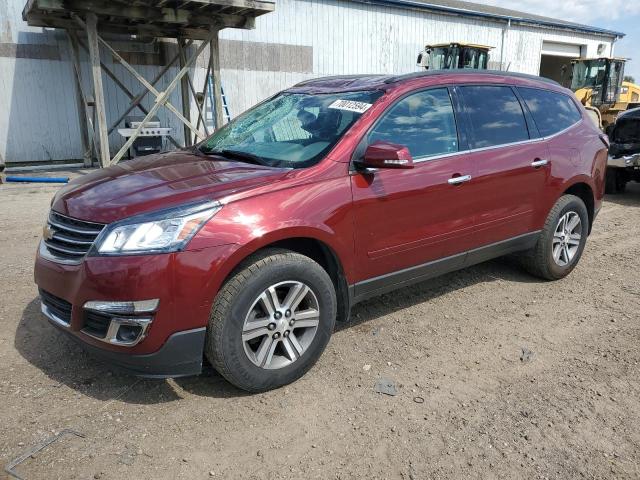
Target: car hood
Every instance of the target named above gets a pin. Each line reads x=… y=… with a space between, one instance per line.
x=156 y=182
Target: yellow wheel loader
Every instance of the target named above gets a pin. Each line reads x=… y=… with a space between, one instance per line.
x=453 y=56
x=597 y=83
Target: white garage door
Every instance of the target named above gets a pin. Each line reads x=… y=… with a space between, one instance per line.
x=560 y=49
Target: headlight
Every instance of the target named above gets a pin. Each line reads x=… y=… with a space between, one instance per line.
x=160 y=232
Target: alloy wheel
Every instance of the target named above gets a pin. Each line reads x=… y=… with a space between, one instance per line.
x=281 y=324
x=566 y=238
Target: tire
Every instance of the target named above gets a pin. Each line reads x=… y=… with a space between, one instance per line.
x=615 y=182
x=540 y=261
x=610 y=182
x=243 y=304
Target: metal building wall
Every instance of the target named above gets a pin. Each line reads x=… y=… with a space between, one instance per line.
x=301 y=39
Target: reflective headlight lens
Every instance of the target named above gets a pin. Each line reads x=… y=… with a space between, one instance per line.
x=167 y=231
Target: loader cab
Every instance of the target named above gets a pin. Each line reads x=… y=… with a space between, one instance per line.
x=597 y=82
x=453 y=56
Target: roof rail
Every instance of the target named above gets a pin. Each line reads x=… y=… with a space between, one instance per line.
x=428 y=73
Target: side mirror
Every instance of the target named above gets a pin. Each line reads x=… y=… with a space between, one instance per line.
x=386 y=155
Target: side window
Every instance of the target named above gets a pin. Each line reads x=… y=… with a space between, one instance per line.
x=551 y=111
x=424 y=122
x=496 y=115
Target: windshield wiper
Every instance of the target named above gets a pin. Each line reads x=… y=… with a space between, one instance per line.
x=250 y=157
x=237 y=155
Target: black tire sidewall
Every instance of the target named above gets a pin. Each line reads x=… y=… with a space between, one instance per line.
x=576 y=205
x=230 y=346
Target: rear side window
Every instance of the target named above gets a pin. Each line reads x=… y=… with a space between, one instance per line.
x=495 y=114
x=552 y=111
x=424 y=122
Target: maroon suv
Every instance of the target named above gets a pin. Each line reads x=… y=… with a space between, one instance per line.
x=247 y=248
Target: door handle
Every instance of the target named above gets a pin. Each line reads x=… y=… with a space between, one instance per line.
x=539 y=162
x=459 y=179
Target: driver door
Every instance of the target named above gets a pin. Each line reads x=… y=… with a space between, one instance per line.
x=408 y=221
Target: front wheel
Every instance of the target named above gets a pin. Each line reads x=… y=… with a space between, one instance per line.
x=271 y=320
x=561 y=242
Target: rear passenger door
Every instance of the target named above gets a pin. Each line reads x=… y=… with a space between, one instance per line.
x=556 y=115
x=510 y=160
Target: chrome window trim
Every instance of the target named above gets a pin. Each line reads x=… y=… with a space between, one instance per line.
x=493 y=147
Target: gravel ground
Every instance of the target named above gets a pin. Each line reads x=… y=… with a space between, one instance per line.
x=498 y=375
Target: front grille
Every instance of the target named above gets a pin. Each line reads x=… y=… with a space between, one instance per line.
x=68 y=238
x=57 y=306
x=96 y=324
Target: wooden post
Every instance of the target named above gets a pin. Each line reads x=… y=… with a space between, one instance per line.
x=205 y=90
x=98 y=92
x=214 y=51
x=195 y=97
x=184 y=93
x=80 y=102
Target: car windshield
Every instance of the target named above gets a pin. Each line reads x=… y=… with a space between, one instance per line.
x=293 y=130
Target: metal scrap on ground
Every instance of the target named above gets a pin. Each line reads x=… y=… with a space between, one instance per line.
x=386 y=386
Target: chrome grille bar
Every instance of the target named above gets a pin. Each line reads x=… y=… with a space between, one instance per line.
x=68 y=239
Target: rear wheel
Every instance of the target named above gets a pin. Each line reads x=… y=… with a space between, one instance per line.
x=615 y=182
x=561 y=241
x=271 y=320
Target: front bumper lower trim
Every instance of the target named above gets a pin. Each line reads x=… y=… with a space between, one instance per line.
x=180 y=356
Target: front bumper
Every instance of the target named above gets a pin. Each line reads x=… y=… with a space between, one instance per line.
x=629 y=161
x=185 y=283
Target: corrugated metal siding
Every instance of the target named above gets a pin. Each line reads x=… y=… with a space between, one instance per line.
x=38 y=114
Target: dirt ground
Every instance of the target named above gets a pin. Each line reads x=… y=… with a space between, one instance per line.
x=470 y=403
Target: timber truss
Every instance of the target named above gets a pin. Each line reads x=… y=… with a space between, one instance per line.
x=195 y=25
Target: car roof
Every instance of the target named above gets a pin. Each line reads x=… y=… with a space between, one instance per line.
x=633 y=113
x=346 y=83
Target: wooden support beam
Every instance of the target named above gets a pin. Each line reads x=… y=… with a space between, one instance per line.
x=142 y=93
x=184 y=94
x=98 y=92
x=152 y=14
x=80 y=101
x=86 y=101
x=162 y=98
x=205 y=90
x=144 y=82
x=214 y=51
x=148 y=29
x=117 y=81
x=193 y=93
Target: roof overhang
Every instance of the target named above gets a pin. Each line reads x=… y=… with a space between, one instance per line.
x=549 y=23
x=161 y=18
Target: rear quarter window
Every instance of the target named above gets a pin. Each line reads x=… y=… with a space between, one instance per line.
x=552 y=111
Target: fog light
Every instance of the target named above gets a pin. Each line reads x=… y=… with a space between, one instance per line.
x=128 y=333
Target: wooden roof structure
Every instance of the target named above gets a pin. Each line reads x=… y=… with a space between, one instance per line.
x=149 y=18
x=185 y=20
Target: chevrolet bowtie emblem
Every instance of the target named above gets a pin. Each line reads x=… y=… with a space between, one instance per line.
x=47 y=232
